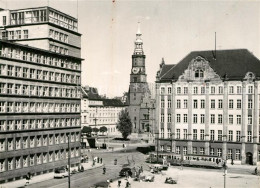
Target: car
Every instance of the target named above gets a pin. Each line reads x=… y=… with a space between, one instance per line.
x=60 y=173
x=149 y=178
x=124 y=171
x=169 y=180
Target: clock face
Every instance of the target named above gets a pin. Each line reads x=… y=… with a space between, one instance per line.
x=135 y=70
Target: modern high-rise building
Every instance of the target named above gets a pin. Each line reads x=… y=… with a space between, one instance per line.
x=209 y=104
x=141 y=107
x=40 y=95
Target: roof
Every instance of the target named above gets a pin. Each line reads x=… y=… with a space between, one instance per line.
x=91 y=93
x=234 y=64
x=113 y=102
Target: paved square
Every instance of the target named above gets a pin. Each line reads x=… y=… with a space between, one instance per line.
x=192 y=178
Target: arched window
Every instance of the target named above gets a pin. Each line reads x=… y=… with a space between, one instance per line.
x=199 y=73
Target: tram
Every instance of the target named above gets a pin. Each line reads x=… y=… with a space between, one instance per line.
x=195 y=160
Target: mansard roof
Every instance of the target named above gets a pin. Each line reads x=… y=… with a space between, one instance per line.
x=232 y=64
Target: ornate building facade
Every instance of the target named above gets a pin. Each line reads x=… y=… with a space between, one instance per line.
x=209 y=104
x=40 y=73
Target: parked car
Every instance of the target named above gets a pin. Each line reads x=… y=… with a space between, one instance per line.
x=60 y=173
x=149 y=178
x=124 y=171
x=169 y=180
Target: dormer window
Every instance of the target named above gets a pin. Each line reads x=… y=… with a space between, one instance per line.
x=199 y=73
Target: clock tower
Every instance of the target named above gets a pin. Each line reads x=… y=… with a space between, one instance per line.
x=138 y=84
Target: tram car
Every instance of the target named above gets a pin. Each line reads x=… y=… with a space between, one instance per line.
x=193 y=160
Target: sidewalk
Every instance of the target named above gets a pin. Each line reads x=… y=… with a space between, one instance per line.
x=44 y=177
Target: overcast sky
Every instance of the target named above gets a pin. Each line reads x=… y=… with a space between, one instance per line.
x=171 y=29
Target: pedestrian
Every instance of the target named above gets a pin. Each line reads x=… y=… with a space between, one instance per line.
x=101 y=160
x=98 y=160
x=115 y=162
x=119 y=183
x=104 y=170
x=141 y=168
x=127 y=184
x=28 y=178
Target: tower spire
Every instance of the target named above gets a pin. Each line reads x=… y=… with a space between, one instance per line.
x=138 y=42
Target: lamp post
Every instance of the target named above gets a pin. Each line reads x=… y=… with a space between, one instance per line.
x=68 y=160
x=157 y=147
x=95 y=119
x=225 y=173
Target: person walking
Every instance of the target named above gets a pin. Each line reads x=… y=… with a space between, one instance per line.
x=104 y=170
x=28 y=178
x=119 y=183
x=101 y=160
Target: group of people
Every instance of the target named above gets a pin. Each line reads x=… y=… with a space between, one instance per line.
x=97 y=160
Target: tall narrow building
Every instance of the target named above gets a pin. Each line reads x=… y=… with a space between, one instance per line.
x=40 y=70
x=138 y=88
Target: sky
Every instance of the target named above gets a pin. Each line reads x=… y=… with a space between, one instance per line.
x=171 y=29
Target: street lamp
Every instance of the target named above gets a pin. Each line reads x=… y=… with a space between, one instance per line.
x=68 y=159
x=225 y=173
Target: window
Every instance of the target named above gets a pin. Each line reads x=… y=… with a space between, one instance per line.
x=184 y=150
x=212 y=104
x=230 y=104
x=202 y=103
x=229 y=153
x=199 y=73
x=230 y=136
x=202 y=134
x=18 y=34
x=231 y=89
x=202 y=118
x=178 y=105
x=169 y=103
x=162 y=118
x=185 y=134
x=220 y=119
x=239 y=89
x=212 y=134
x=238 y=136
x=195 y=103
x=4 y=20
x=177 y=150
x=169 y=118
x=239 y=119
x=178 y=119
x=202 y=151
x=185 y=90
x=250 y=89
x=195 y=90
x=239 y=104
x=237 y=155
x=194 y=134
x=212 y=90
x=211 y=151
x=220 y=89
x=249 y=136
x=194 y=150
x=230 y=119
x=220 y=103
x=250 y=120
x=250 y=104
x=178 y=90
x=202 y=90
x=169 y=90
x=219 y=152
x=185 y=118
x=212 y=118
x=162 y=103
x=178 y=133
x=195 y=118
x=219 y=135
x=185 y=104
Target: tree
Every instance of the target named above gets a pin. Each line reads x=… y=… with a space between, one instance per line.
x=87 y=130
x=95 y=129
x=103 y=129
x=124 y=124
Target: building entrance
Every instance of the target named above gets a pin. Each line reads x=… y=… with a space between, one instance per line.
x=249 y=158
